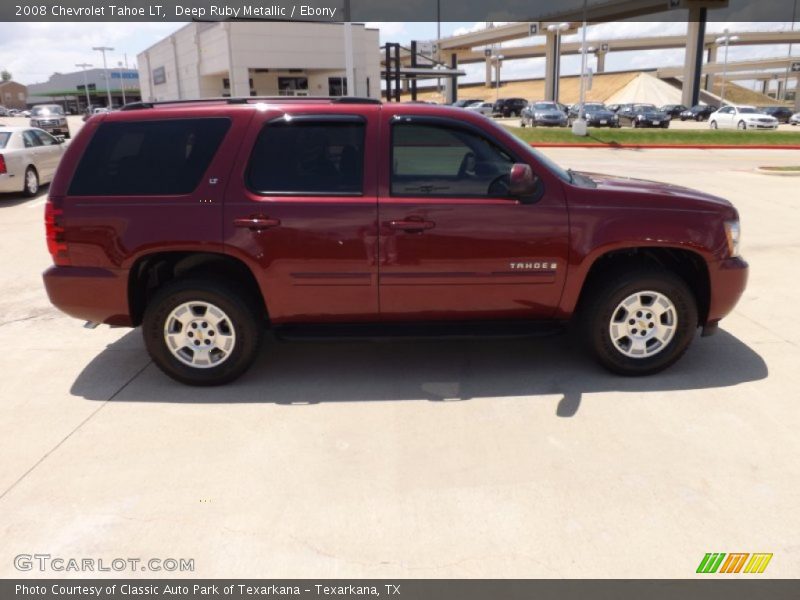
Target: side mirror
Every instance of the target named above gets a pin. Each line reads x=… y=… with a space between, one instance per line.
x=522 y=181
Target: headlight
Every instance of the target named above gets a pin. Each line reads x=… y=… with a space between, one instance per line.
x=733 y=234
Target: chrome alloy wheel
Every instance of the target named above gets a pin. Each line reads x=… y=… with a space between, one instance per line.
x=199 y=334
x=643 y=324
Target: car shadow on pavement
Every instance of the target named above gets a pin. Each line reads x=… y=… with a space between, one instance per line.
x=309 y=373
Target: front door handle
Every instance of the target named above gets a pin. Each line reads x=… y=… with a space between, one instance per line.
x=256 y=222
x=412 y=225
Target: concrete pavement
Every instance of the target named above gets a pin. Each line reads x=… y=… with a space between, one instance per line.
x=414 y=459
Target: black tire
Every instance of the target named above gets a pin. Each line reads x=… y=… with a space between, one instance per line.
x=30 y=189
x=742 y=126
x=243 y=313
x=713 y=125
x=605 y=298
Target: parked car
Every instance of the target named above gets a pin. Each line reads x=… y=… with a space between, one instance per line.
x=547 y=114
x=484 y=108
x=467 y=102
x=673 y=110
x=615 y=107
x=699 y=112
x=28 y=159
x=204 y=222
x=51 y=118
x=596 y=115
x=91 y=111
x=510 y=107
x=26 y=114
x=782 y=113
x=795 y=120
x=3 y=111
x=741 y=117
x=643 y=115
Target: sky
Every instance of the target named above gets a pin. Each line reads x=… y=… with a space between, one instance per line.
x=34 y=51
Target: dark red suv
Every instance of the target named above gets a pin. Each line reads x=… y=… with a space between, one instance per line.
x=207 y=221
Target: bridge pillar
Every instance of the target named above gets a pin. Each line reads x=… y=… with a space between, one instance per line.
x=552 y=67
x=488 y=73
x=765 y=86
x=797 y=93
x=601 y=61
x=779 y=91
x=711 y=58
x=693 y=60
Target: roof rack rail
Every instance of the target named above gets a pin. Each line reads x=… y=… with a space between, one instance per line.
x=248 y=99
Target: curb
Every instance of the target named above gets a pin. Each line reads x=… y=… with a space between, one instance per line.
x=668 y=146
x=777 y=173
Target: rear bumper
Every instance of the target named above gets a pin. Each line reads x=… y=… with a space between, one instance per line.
x=728 y=281
x=90 y=294
x=10 y=183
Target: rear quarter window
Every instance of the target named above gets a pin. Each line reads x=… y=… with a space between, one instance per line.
x=4 y=137
x=148 y=158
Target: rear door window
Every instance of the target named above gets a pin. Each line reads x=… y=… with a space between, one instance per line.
x=30 y=139
x=148 y=158
x=4 y=137
x=312 y=157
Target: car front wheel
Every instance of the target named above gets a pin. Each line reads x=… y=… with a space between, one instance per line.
x=202 y=332
x=713 y=125
x=640 y=322
x=742 y=125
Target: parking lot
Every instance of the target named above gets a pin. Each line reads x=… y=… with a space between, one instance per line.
x=489 y=458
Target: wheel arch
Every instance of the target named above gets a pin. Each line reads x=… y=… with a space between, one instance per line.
x=152 y=271
x=687 y=264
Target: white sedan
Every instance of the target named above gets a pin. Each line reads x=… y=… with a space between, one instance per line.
x=794 y=119
x=28 y=159
x=741 y=117
x=485 y=108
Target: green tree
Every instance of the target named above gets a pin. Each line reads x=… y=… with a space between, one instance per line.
x=5 y=75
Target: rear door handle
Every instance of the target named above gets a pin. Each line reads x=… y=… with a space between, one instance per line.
x=412 y=225
x=256 y=222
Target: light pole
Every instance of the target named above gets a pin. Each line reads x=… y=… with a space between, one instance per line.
x=122 y=81
x=85 y=83
x=498 y=59
x=789 y=56
x=105 y=49
x=557 y=29
x=726 y=39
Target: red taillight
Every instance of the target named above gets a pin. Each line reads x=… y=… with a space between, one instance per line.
x=56 y=237
x=3 y=169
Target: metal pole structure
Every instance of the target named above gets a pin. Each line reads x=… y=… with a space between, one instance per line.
x=789 y=56
x=105 y=49
x=498 y=59
x=557 y=29
x=122 y=82
x=350 y=79
x=726 y=38
x=85 y=83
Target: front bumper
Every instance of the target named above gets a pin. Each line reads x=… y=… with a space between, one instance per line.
x=90 y=293
x=728 y=282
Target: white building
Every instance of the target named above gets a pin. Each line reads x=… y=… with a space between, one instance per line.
x=204 y=60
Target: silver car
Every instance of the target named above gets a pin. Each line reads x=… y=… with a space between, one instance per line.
x=484 y=108
x=794 y=120
x=28 y=159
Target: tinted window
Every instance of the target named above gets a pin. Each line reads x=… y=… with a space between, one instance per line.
x=437 y=160
x=45 y=138
x=148 y=158
x=4 y=137
x=311 y=157
x=30 y=139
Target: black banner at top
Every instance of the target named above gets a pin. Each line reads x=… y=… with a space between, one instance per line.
x=399 y=10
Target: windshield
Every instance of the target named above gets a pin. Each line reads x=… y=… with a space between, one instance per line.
x=39 y=111
x=645 y=107
x=525 y=149
x=594 y=107
x=545 y=106
x=747 y=110
x=4 y=135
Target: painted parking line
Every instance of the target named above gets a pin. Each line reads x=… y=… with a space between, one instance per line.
x=38 y=203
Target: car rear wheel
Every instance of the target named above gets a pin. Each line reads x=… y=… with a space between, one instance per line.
x=640 y=322
x=31 y=182
x=202 y=332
